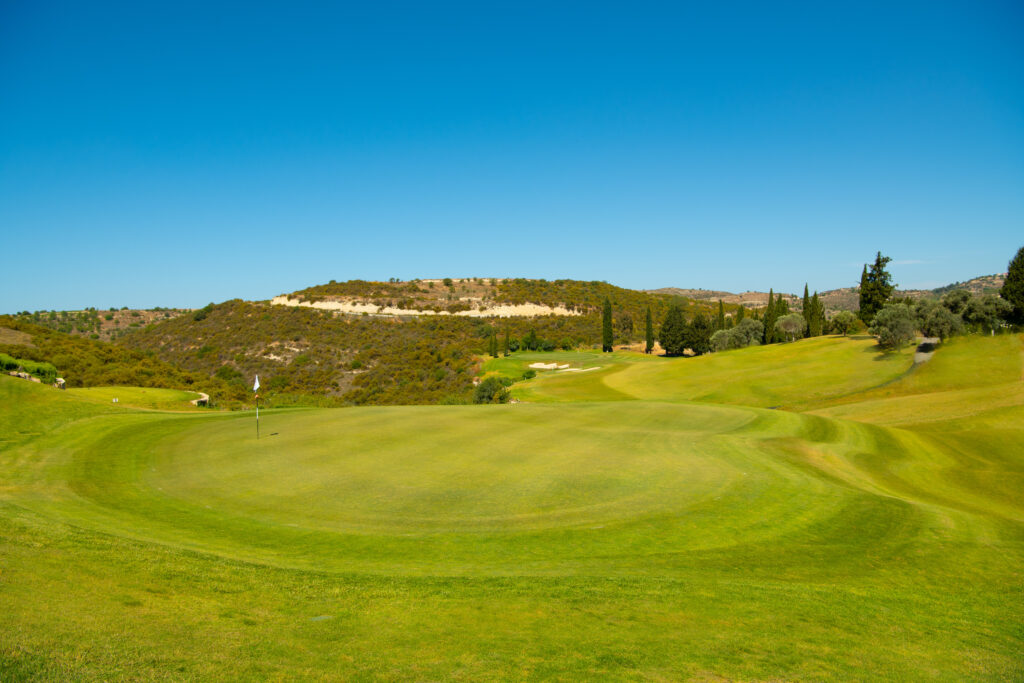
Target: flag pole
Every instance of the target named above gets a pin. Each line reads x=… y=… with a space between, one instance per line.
x=256 y=387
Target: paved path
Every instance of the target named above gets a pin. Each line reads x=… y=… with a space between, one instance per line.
x=925 y=349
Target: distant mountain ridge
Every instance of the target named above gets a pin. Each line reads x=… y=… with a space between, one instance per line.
x=847 y=298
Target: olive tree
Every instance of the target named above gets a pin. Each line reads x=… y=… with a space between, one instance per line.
x=843 y=322
x=894 y=326
x=791 y=326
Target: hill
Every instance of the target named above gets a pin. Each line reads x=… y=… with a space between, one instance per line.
x=843 y=298
x=390 y=343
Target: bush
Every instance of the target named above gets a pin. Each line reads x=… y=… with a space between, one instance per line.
x=490 y=390
x=791 y=326
x=843 y=322
x=894 y=326
x=529 y=374
x=746 y=333
x=935 y=320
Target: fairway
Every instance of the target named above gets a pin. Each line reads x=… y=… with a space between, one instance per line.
x=648 y=529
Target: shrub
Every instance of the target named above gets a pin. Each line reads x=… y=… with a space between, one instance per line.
x=490 y=390
x=843 y=321
x=791 y=326
x=893 y=325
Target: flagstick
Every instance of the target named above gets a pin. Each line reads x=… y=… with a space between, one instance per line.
x=257 y=417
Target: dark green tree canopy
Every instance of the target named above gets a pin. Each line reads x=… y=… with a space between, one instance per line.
x=698 y=334
x=607 y=335
x=673 y=332
x=1013 y=288
x=876 y=286
x=770 y=315
x=649 y=333
x=894 y=326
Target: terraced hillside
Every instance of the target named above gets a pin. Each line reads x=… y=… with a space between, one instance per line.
x=650 y=518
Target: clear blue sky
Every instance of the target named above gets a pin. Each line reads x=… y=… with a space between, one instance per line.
x=183 y=153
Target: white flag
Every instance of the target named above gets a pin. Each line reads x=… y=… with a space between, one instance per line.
x=256 y=386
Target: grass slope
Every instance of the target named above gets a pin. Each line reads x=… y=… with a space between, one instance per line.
x=628 y=539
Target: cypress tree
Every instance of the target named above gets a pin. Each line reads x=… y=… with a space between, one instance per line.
x=698 y=334
x=506 y=343
x=865 y=291
x=720 y=322
x=822 y=318
x=1013 y=287
x=807 y=312
x=741 y=313
x=607 y=336
x=673 y=332
x=649 y=333
x=770 y=316
x=781 y=306
x=876 y=287
x=814 y=316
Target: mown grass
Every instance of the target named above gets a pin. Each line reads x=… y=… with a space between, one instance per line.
x=138 y=397
x=587 y=539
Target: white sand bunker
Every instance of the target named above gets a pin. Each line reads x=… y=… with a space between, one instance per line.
x=561 y=368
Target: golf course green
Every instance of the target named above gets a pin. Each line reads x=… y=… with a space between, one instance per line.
x=807 y=511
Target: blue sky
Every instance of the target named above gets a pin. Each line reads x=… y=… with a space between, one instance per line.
x=187 y=153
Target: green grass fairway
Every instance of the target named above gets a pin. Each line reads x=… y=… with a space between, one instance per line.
x=650 y=520
x=135 y=397
x=791 y=376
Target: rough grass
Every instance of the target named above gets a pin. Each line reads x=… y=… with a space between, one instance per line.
x=595 y=539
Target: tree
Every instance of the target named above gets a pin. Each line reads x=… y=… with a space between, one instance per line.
x=769 y=318
x=741 y=313
x=1013 y=287
x=490 y=390
x=956 y=301
x=791 y=326
x=843 y=321
x=673 y=332
x=698 y=334
x=876 y=287
x=781 y=306
x=723 y=340
x=816 y=318
x=806 y=310
x=935 y=320
x=607 y=336
x=745 y=333
x=750 y=330
x=506 y=345
x=893 y=325
x=984 y=313
x=649 y=333
x=720 y=321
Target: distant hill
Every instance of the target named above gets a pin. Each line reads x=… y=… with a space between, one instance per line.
x=391 y=342
x=98 y=324
x=844 y=298
x=484 y=298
